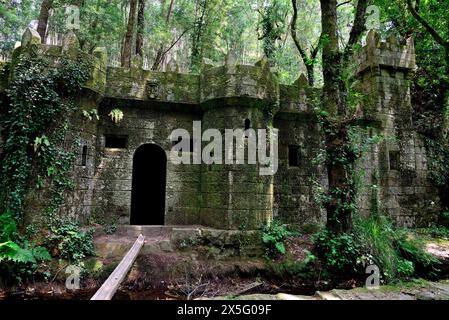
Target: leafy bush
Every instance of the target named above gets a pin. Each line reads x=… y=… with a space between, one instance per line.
x=394 y=251
x=411 y=248
x=69 y=242
x=443 y=219
x=435 y=231
x=377 y=235
x=405 y=268
x=339 y=253
x=291 y=268
x=19 y=260
x=273 y=236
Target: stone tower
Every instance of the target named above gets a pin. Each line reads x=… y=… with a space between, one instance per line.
x=396 y=169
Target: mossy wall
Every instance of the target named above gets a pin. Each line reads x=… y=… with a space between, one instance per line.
x=237 y=196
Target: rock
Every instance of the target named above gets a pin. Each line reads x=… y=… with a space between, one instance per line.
x=286 y=296
x=70 y=45
x=30 y=37
x=327 y=296
x=302 y=81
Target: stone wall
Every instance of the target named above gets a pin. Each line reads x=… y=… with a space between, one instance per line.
x=230 y=97
x=113 y=167
x=300 y=138
x=396 y=175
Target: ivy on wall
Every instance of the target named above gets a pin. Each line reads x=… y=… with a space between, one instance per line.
x=37 y=105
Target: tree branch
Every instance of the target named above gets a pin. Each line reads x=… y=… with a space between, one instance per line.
x=435 y=35
x=343 y=3
x=302 y=52
x=357 y=29
x=176 y=41
x=359 y=22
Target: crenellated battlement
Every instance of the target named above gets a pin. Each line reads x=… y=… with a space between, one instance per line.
x=389 y=54
x=31 y=46
x=228 y=97
x=231 y=83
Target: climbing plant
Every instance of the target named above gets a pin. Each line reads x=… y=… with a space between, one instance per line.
x=39 y=100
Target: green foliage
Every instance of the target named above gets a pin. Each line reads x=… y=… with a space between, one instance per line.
x=290 y=268
x=434 y=231
x=19 y=260
x=339 y=253
x=91 y=114
x=14 y=16
x=405 y=268
x=37 y=96
x=67 y=241
x=39 y=101
x=377 y=235
x=396 y=252
x=274 y=236
x=411 y=248
x=116 y=115
x=438 y=162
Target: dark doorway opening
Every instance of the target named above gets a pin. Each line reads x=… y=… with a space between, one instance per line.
x=148 y=185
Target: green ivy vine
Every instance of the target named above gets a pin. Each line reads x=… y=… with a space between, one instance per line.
x=38 y=103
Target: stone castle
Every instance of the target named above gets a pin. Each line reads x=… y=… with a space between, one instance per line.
x=122 y=173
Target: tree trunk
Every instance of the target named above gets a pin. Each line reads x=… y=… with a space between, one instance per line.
x=331 y=58
x=308 y=62
x=160 y=55
x=311 y=73
x=127 y=46
x=43 y=19
x=341 y=157
x=196 y=55
x=140 y=28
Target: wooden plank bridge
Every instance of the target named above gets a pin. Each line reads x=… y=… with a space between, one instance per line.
x=110 y=286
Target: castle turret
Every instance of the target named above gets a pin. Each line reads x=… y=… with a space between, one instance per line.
x=238 y=97
x=397 y=167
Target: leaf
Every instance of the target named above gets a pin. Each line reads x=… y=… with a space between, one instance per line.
x=268 y=238
x=11 y=251
x=280 y=247
x=41 y=254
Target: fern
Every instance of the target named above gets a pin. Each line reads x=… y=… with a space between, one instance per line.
x=10 y=251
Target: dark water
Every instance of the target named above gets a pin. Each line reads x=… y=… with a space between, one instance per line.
x=86 y=294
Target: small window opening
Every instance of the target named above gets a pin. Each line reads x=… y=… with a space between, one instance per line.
x=247 y=127
x=116 y=142
x=293 y=156
x=247 y=124
x=84 y=156
x=394 y=160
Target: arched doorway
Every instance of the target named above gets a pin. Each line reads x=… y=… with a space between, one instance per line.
x=148 y=185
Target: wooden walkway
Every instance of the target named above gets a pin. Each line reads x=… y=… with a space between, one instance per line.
x=110 y=286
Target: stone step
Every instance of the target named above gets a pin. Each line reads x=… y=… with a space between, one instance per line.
x=157 y=231
x=147 y=231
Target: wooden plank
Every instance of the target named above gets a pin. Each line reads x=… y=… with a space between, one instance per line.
x=110 y=286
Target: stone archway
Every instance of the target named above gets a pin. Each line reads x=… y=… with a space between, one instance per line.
x=148 y=185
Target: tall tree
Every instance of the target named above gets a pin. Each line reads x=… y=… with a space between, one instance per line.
x=340 y=156
x=161 y=52
x=43 y=19
x=444 y=43
x=127 y=44
x=309 y=60
x=272 y=29
x=197 y=35
x=140 y=28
